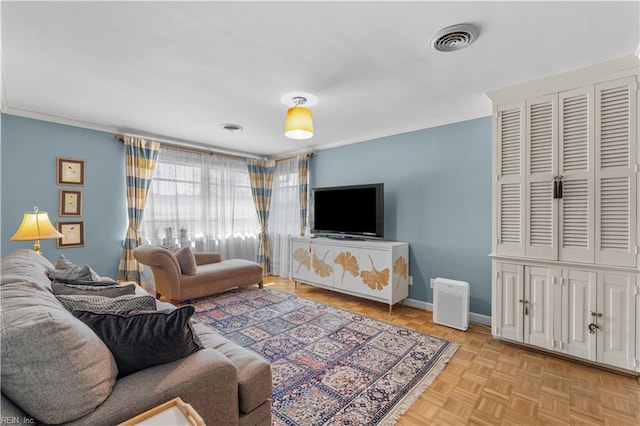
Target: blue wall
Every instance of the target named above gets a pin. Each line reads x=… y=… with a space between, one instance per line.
x=437 y=194
x=28 y=177
x=437 y=198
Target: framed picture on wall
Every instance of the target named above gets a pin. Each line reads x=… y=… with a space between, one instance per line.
x=70 y=203
x=70 y=171
x=73 y=234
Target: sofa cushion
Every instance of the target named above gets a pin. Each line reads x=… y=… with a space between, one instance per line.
x=187 y=260
x=53 y=366
x=113 y=290
x=139 y=340
x=107 y=304
x=254 y=372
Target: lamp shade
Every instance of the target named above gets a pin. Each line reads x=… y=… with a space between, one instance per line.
x=36 y=226
x=299 y=124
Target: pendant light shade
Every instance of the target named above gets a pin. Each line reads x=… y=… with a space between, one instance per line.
x=299 y=123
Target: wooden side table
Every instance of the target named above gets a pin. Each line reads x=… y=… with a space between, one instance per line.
x=174 y=412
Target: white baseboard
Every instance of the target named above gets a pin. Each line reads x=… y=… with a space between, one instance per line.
x=473 y=317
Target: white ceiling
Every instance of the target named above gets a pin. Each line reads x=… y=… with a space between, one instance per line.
x=177 y=71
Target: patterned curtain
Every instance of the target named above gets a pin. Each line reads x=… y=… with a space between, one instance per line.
x=140 y=160
x=261 y=176
x=303 y=176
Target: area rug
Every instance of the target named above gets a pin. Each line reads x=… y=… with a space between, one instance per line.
x=330 y=366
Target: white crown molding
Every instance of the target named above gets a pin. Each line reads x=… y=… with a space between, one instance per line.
x=116 y=130
x=390 y=132
x=615 y=68
x=58 y=120
x=183 y=143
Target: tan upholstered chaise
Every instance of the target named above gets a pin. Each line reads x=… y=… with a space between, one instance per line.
x=212 y=274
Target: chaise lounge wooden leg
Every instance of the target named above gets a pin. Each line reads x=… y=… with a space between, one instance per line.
x=261 y=284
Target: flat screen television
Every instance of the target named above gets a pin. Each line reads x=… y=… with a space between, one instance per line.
x=348 y=211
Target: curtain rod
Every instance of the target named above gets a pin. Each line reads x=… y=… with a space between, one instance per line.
x=186 y=147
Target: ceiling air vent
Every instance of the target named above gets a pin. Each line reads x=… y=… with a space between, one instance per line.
x=455 y=37
x=230 y=127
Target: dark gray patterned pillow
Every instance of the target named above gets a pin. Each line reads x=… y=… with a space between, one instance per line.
x=107 y=304
x=152 y=338
x=114 y=290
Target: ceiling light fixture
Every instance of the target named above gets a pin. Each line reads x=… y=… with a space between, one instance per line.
x=299 y=123
x=455 y=37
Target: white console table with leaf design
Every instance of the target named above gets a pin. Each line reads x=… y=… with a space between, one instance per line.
x=372 y=269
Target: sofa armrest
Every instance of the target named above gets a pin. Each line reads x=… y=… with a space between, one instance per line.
x=206 y=379
x=165 y=268
x=206 y=258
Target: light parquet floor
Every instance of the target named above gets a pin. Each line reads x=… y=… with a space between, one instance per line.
x=492 y=382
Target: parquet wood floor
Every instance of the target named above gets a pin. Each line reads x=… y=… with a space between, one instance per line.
x=492 y=382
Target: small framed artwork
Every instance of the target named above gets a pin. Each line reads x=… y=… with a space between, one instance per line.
x=70 y=171
x=73 y=234
x=70 y=203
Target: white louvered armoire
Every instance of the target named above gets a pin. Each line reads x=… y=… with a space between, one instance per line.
x=565 y=215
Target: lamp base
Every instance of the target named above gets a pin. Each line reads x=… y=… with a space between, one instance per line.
x=36 y=246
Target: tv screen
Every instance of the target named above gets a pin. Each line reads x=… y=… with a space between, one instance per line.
x=356 y=210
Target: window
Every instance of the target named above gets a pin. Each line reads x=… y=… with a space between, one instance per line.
x=203 y=201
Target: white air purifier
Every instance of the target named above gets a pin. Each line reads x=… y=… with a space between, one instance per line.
x=451 y=303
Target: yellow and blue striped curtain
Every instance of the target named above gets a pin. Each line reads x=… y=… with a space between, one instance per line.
x=140 y=160
x=261 y=176
x=303 y=188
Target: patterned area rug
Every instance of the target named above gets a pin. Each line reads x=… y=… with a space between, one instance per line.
x=330 y=366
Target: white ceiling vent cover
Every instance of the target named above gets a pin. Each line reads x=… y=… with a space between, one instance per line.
x=455 y=37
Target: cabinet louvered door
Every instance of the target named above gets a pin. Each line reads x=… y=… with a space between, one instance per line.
x=510 y=180
x=576 y=207
x=615 y=172
x=541 y=167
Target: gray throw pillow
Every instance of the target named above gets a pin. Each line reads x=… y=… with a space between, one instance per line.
x=74 y=274
x=54 y=367
x=107 y=304
x=140 y=340
x=64 y=263
x=114 y=290
x=187 y=260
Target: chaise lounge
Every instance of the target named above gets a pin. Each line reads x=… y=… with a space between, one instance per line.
x=185 y=275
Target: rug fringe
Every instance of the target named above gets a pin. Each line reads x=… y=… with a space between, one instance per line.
x=403 y=406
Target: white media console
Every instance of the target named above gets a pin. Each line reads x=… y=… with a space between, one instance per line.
x=373 y=269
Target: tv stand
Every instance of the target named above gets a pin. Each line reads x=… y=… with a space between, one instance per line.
x=373 y=269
